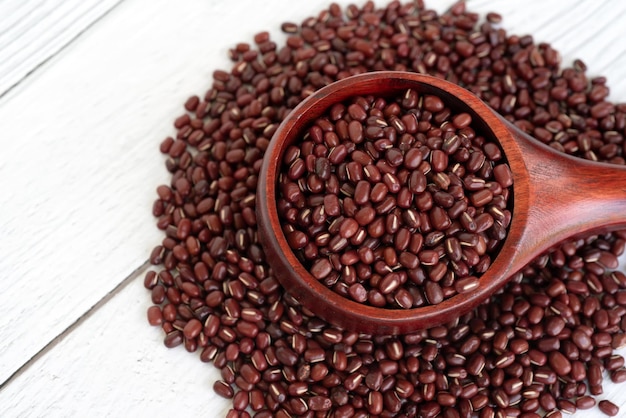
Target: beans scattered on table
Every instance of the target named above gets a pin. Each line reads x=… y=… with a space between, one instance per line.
x=542 y=345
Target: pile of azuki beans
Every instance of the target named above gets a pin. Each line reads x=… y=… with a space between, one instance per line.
x=397 y=202
x=541 y=346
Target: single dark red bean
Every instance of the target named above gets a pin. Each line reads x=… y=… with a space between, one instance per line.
x=155 y=316
x=321 y=268
x=608 y=408
x=223 y=389
x=319 y=403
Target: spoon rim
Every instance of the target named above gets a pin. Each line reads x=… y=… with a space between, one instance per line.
x=326 y=303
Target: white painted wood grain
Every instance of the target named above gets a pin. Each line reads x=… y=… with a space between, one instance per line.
x=31 y=31
x=80 y=162
x=76 y=211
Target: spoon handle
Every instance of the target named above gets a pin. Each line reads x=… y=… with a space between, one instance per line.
x=566 y=196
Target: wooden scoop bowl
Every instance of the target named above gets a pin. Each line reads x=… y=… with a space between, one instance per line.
x=555 y=196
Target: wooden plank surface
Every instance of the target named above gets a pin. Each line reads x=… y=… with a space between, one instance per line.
x=80 y=167
x=32 y=31
x=79 y=157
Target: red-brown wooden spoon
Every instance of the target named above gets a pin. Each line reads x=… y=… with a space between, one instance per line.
x=555 y=196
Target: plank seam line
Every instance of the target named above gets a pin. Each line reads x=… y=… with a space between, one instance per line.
x=61 y=49
x=84 y=317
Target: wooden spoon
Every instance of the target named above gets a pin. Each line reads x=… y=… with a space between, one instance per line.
x=555 y=196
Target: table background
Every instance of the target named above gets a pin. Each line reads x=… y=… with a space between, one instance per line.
x=88 y=89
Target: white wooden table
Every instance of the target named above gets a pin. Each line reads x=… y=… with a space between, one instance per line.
x=87 y=91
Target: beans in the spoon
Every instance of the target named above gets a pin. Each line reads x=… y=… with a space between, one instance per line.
x=379 y=209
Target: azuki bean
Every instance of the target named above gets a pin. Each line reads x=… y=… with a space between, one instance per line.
x=618 y=376
x=223 y=389
x=155 y=316
x=608 y=408
x=434 y=293
x=585 y=402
